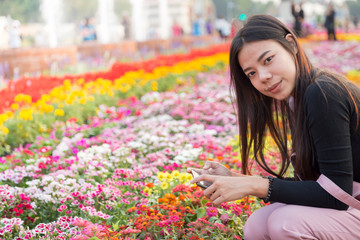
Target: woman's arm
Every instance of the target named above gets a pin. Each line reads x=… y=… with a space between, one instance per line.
x=227 y=188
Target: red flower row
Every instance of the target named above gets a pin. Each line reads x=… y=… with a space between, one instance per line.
x=37 y=86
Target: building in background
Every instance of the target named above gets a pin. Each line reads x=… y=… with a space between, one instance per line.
x=153 y=19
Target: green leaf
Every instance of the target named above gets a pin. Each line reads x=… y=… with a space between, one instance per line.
x=200 y=212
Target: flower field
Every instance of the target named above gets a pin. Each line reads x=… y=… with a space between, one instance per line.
x=104 y=155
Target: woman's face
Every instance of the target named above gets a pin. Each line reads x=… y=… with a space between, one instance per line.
x=270 y=68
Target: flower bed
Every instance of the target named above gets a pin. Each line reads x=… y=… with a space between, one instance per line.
x=33 y=114
x=113 y=167
x=122 y=175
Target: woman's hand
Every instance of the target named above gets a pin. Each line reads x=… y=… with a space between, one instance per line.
x=213 y=168
x=226 y=188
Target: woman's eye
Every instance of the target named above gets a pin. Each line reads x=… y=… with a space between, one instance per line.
x=250 y=74
x=268 y=59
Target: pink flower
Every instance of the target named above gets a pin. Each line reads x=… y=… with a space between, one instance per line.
x=202 y=156
x=225 y=218
x=81 y=223
x=212 y=211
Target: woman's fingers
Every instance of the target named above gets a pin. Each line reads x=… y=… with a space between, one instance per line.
x=198 y=170
x=204 y=177
x=211 y=164
x=218 y=201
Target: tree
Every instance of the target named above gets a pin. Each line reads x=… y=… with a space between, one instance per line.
x=354 y=7
x=23 y=10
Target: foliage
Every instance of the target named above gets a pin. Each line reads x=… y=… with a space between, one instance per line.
x=22 y=10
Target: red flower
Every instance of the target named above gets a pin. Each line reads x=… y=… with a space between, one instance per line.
x=42 y=165
x=28 y=152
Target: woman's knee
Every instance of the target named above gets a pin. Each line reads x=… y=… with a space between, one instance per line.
x=255 y=227
x=287 y=223
x=252 y=230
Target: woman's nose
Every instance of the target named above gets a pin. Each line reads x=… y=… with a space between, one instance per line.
x=264 y=74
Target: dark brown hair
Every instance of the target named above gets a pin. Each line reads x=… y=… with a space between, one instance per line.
x=258 y=113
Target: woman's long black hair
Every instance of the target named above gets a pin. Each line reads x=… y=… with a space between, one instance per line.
x=258 y=113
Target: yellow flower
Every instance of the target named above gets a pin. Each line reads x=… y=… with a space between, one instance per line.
x=47 y=108
x=27 y=99
x=43 y=128
x=26 y=114
x=80 y=81
x=175 y=174
x=4 y=130
x=59 y=112
x=82 y=100
x=161 y=176
x=154 y=86
x=147 y=190
x=10 y=114
x=3 y=118
x=14 y=106
x=164 y=185
x=69 y=101
x=18 y=97
x=168 y=176
x=67 y=84
x=45 y=98
x=184 y=177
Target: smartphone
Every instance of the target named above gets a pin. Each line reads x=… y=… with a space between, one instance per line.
x=202 y=184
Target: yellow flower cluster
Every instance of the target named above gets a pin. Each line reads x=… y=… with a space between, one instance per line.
x=339 y=36
x=354 y=76
x=3 y=118
x=23 y=98
x=167 y=179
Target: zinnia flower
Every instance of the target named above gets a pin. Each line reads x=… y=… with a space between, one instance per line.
x=212 y=211
x=164 y=185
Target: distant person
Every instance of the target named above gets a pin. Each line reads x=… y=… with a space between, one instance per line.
x=15 y=40
x=223 y=27
x=298 y=14
x=235 y=27
x=126 y=24
x=355 y=21
x=88 y=32
x=330 y=22
x=209 y=27
x=197 y=26
x=176 y=29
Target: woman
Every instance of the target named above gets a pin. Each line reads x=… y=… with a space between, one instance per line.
x=279 y=91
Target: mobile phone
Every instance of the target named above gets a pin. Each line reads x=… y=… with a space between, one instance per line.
x=202 y=184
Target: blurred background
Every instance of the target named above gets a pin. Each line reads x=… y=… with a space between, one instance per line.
x=99 y=32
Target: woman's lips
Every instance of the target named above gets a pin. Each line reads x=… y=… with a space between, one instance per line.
x=275 y=87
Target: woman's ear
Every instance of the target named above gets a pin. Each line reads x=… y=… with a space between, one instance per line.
x=290 y=38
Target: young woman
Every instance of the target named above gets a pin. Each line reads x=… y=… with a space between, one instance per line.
x=279 y=91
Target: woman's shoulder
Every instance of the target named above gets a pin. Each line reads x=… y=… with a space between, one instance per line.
x=331 y=89
x=323 y=85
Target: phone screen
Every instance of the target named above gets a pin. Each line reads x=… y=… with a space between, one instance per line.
x=202 y=184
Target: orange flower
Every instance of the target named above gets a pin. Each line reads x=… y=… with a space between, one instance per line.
x=182 y=198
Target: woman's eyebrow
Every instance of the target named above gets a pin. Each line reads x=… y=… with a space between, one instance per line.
x=259 y=59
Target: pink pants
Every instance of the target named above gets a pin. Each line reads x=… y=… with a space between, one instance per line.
x=282 y=221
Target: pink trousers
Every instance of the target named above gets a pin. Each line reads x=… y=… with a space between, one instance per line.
x=280 y=221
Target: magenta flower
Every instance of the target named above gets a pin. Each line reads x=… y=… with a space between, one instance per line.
x=212 y=211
